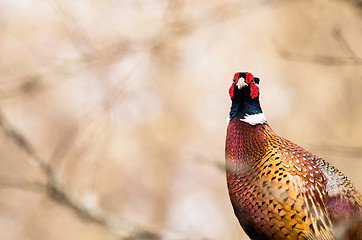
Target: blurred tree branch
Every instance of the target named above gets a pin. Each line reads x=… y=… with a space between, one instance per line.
x=74 y=29
x=355 y=152
x=329 y=60
x=321 y=59
x=57 y=191
x=22 y=185
x=90 y=56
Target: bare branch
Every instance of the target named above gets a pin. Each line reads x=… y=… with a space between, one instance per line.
x=58 y=192
x=22 y=143
x=75 y=30
x=352 y=59
x=336 y=33
x=22 y=185
x=320 y=59
x=355 y=152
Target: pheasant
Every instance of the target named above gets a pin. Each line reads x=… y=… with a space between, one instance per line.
x=278 y=189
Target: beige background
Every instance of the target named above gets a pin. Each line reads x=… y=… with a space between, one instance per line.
x=126 y=102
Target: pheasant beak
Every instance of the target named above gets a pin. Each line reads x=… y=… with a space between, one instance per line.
x=241 y=83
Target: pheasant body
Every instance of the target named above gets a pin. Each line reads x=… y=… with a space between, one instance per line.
x=278 y=189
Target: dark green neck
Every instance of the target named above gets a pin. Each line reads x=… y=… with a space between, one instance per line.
x=241 y=109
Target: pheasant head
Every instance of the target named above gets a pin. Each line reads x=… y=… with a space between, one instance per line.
x=244 y=94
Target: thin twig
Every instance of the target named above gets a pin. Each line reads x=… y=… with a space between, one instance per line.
x=354 y=152
x=22 y=185
x=336 y=33
x=351 y=59
x=320 y=59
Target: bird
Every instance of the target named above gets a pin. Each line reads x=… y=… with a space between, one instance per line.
x=279 y=190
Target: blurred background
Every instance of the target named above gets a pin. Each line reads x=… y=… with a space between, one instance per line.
x=113 y=113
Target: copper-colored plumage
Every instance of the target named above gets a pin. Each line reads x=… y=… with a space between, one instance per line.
x=281 y=191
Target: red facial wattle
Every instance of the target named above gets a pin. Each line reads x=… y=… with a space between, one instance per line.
x=231 y=91
x=254 y=91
